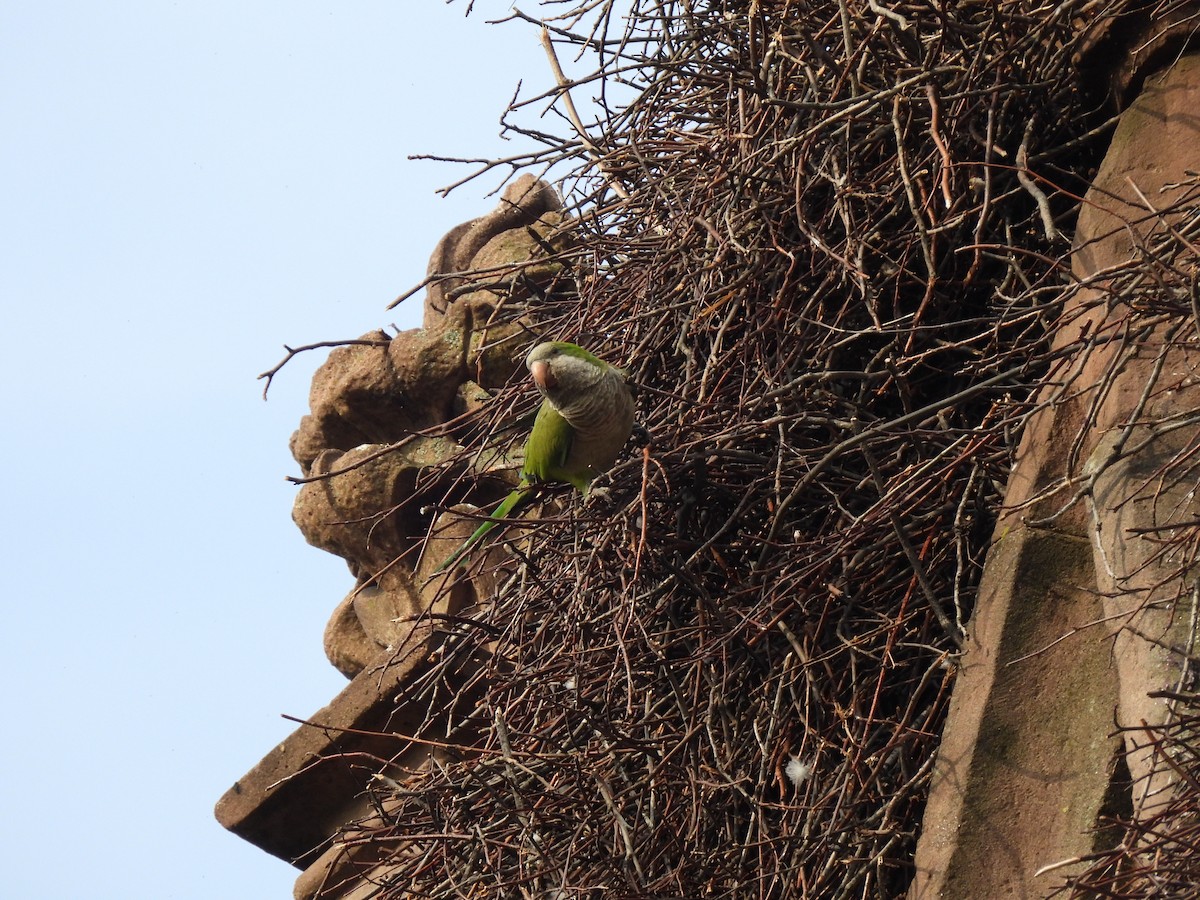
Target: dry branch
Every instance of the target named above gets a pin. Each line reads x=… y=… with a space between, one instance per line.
x=826 y=238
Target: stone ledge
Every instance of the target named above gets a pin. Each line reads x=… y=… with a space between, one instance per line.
x=308 y=787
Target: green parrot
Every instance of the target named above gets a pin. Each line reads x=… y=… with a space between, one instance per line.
x=585 y=419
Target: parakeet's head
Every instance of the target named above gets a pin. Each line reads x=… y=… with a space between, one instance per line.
x=558 y=367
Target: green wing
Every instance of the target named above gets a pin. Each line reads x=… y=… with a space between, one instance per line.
x=546 y=454
x=548 y=447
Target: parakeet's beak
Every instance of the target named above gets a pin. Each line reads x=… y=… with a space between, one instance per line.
x=542 y=376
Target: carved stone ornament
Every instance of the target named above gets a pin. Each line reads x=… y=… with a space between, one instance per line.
x=376 y=453
x=375 y=407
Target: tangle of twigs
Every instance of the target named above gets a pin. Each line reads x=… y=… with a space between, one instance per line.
x=827 y=236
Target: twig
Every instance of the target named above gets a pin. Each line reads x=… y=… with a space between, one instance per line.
x=291 y=352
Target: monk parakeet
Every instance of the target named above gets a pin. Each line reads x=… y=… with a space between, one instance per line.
x=585 y=419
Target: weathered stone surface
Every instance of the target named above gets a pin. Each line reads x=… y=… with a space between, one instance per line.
x=347 y=645
x=1143 y=484
x=351 y=869
x=1079 y=617
x=471 y=397
x=380 y=394
x=527 y=205
x=1025 y=758
x=1148 y=592
x=1117 y=54
x=367 y=513
x=315 y=781
x=382 y=612
x=370 y=400
x=372 y=476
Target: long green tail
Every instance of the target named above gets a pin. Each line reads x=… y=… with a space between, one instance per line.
x=509 y=506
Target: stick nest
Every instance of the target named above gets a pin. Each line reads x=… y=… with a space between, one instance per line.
x=824 y=239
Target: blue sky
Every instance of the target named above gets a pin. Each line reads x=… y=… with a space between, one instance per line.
x=186 y=187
